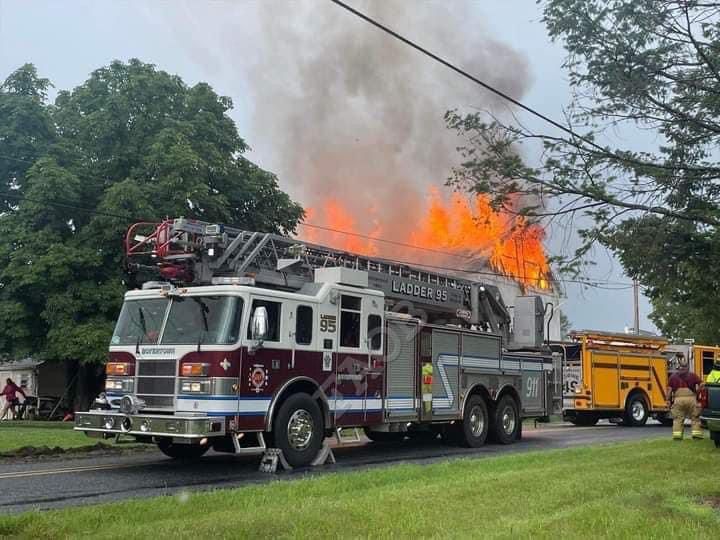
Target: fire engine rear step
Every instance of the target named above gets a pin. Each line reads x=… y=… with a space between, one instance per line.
x=250 y=450
x=355 y=436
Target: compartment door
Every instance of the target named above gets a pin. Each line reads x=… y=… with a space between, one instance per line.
x=401 y=371
x=605 y=379
x=446 y=372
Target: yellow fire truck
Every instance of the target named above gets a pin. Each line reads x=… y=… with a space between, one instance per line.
x=624 y=376
x=701 y=357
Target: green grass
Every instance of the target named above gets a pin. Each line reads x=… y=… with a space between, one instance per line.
x=649 y=489
x=14 y=435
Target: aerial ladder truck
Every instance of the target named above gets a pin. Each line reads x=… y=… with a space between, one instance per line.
x=244 y=341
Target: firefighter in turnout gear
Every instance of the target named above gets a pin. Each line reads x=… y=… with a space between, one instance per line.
x=682 y=394
x=714 y=376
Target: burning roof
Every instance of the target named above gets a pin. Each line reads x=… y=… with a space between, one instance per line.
x=452 y=231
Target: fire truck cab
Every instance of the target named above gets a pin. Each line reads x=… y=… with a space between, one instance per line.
x=288 y=353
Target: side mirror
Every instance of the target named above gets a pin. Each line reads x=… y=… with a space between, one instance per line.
x=259 y=324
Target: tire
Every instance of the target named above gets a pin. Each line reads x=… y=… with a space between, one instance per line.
x=182 y=451
x=584 y=420
x=506 y=421
x=473 y=430
x=636 y=411
x=384 y=436
x=298 y=429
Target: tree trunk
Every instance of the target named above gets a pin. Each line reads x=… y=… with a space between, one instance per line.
x=88 y=383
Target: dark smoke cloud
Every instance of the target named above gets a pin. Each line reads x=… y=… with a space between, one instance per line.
x=341 y=110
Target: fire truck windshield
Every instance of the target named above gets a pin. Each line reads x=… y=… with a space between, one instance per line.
x=207 y=320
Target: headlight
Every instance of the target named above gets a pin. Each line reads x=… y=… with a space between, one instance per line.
x=109 y=422
x=120 y=385
x=194 y=387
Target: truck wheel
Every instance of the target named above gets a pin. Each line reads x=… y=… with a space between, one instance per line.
x=384 y=436
x=298 y=429
x=475 y=422
x=584 y=419
x=182 y=451
x=506 y=422
x=636 y=411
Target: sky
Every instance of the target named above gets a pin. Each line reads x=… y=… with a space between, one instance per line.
x=243 y=48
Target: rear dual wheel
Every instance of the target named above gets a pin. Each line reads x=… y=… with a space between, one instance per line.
x=473 y=430
x=506 y=424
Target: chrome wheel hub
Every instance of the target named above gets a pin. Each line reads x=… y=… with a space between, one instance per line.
x=637 y=410
x=477 y=421
x=300 y=430
x=508 y=420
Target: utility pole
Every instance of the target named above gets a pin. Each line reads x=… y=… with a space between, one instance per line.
x=636 y=306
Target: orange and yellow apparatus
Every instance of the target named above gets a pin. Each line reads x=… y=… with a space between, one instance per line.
x=614 y=376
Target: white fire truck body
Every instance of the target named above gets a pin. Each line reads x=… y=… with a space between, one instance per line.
x=266 y=355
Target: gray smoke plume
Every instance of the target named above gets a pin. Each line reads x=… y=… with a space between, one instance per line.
x=342 y=111
x=357 y=116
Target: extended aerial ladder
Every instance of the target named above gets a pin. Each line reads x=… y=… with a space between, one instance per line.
x=194 y=252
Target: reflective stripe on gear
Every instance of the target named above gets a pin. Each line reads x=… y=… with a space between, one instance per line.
x=697 y=434
x=677 y=435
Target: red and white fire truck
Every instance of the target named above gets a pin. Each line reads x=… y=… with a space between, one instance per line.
x=253 y=340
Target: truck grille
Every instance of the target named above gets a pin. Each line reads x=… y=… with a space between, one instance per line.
x=155 y=383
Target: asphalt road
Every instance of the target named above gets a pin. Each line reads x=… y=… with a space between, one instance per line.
x=60 y=482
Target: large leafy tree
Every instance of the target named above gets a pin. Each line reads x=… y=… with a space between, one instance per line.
x=131 y=143
x=636 y=154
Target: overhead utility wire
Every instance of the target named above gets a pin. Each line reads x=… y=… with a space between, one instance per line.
x=503 y=95
x=590 y=283
x=465 y=74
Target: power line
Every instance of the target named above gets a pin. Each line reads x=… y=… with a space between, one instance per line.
x=588 y=141
x=465 y=74
x=593 y=283
x=590 y=283
x=623 y=285
x=385 y=241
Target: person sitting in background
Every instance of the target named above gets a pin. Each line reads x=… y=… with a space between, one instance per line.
x=10 y=393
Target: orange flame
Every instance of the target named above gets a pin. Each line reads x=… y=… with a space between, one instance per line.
x=460 y=227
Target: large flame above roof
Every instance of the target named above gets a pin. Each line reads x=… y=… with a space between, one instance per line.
x=452 y=231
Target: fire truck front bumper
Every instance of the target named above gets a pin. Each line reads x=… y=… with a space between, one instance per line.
x=111 y=423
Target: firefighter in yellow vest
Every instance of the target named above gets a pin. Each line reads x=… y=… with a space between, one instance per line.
x=682 y=393
x=714 y=376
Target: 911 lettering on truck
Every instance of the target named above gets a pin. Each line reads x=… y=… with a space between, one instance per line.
x=245 y=341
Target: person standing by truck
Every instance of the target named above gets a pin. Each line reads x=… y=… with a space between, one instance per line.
x=682 y=394
x=11 y=400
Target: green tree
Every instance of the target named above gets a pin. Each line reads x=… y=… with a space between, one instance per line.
x=565 y=326
x=645 y=73
x=132 y=143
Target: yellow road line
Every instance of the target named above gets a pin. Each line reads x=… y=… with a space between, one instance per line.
x=67 y=470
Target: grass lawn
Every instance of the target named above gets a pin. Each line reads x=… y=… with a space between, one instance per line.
x=14 y=435
x=643 y=489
